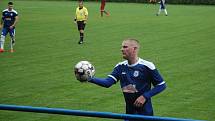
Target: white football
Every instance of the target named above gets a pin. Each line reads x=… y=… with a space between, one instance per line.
x=84 y=70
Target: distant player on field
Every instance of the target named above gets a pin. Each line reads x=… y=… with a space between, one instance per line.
x=8 y=22
x=102 y=8
x=136 y=77
x=81 y=17
x=162 y=8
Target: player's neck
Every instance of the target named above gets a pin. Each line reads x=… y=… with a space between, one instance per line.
x=133 y=60
x=10 y=9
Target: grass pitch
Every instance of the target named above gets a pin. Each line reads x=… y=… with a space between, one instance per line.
x=40 y=72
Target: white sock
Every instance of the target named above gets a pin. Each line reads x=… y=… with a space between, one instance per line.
x=165 y=11
x=11 y=43
x=2 y=42
x=159 y=11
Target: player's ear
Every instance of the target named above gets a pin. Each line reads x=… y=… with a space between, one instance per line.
x=135 y=48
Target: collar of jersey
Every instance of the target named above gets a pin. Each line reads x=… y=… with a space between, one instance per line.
x=9 y=10
x=132 y=65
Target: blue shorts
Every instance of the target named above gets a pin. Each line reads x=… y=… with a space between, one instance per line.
x=131 y=109
x=6 y=30
x=162 y=6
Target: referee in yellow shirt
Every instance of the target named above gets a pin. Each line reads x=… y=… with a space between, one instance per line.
x=81 y=17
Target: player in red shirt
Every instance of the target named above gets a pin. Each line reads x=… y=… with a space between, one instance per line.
x=102 y=8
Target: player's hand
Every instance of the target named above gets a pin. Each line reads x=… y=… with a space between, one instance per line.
x=140 y=101
x=11 y=27
x=89 y=79
x=85 y=21
x=75 y=21
x=83 y=79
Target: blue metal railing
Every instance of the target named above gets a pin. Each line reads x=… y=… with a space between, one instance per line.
x=88 y=113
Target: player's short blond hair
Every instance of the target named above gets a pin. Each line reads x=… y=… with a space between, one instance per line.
x=134 y=41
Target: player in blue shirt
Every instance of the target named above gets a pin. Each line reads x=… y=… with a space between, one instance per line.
x=136 y=79
x=162 y=7
x=8 y=22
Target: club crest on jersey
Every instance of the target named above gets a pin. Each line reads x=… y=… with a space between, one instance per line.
x=136 y=73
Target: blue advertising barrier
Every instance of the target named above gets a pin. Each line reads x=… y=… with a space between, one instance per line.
x=62 y=111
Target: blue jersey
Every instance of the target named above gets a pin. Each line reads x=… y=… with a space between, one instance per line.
x=140 y=75
x=8 y=17
x=135 y=80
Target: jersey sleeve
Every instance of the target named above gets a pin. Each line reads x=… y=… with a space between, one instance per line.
x=2 y=16
x=76 y=13
x=158 y=83
x=107 y=82
x=156 y=78
x=110 y=80
x=86 y=12
x=115 y=73
x=16 y=14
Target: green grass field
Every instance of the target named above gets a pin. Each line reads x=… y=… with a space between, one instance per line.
x=40 y=72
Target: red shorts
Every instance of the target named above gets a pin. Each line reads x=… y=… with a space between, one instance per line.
x=102 y=7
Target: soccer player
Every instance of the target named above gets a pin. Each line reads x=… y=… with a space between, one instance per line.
x=162 y=7
x=136 y=77
x=8 y=22
x=81 y=17
x=102 y=8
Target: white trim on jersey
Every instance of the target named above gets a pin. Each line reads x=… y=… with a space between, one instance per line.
x=5 y=10
x=147 y=63
x=163 y=82
x=140 y=61
x=113 y=78
x=10 y=11
x=122 y=63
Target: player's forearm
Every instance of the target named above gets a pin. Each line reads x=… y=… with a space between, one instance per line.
x=157 y=89
x=2 y=21
x=15 y=22
x=107 y=82
x=75 y=18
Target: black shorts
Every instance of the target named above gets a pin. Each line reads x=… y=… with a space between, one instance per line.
x=81 y=25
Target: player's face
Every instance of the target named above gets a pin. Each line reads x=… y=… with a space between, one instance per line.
x=127 y=49
x=80 y=5
x=10 y=7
